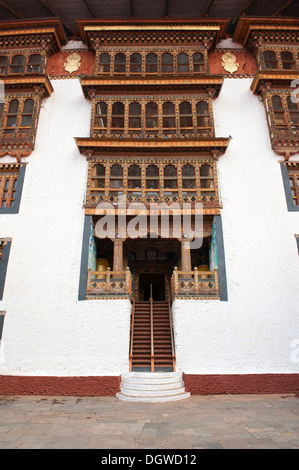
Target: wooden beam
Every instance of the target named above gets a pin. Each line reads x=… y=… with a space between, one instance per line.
x=282 y=7
x=17 y=14
x=207 y=7
x=54 y=12
x=242 y=11
x=90 y=7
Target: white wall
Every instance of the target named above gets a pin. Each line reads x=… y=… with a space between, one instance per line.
x=46 y=330
x=254 y=331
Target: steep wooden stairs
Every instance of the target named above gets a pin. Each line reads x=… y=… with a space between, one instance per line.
x=152 y=346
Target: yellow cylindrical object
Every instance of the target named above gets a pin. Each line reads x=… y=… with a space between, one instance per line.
x=203 y=267
x=102 y=265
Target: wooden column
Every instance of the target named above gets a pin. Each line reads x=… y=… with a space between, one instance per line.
x=185 y=255
x=118 y=263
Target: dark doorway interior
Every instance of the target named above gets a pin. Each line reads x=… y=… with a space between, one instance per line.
x=157 y=280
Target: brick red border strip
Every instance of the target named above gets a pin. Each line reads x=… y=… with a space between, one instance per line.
x=59 y=386
x=241 y=384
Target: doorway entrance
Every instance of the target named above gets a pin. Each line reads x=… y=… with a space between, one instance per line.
x=154 y=282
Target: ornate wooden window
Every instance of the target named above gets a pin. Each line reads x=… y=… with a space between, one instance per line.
x=207 y=177
x=98 y=176
x=116 y=177
x=198 y=62
x=135 y=63
x=4 y=61
x=104 y=63
x=186 y=117
x=167 y=63
x=170 y=178
x=287 y=59
x=151 y=63
x=293 y=172
x=270 y=60
x=135 y=117
x=151 y=118
x=169 y=118
x=118 y=117
x=279 y=113
x=188 y=178
x=9 y=175
x=17 y=65
x=120 y=63
x=19 y=116
x=183 y=63
x=134 y=178
x=34 y=64
x=101 y=117
x=285 y=113
x=152 y=178
x=294 y=115
x=203 y=117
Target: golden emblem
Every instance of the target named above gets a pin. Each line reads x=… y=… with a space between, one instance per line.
x=229 y=62
x=73 y=62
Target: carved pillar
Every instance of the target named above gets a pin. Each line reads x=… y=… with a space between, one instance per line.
x=185 y=255
x=118 y=263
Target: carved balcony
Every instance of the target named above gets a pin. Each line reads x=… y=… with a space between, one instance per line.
x=109 y=284
x=195 y=284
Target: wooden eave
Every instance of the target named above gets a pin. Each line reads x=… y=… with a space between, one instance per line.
x=247 y=25
x=36 y=27
x=28 y=83
x=275 y=78
x=100 y=85
x=90 y=146
x=103 y=27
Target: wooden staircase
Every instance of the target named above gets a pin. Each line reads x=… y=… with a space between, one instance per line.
x=152 y=346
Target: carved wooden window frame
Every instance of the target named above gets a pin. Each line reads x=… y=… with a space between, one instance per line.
x=19 y=133
x=289 y=129
x=190 y=52
x=27 y=54
x=11 y=186
x=278 y=51
x=5 y=245
x=293 y=174
x=194 y=100
x=204 y=189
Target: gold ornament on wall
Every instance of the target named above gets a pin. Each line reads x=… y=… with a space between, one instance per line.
x=229 y=62
x=73 y=62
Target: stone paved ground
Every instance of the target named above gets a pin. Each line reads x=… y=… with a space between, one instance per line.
x=199 y=422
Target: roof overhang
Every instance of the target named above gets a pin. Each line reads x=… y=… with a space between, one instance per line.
x=246 y=26
x=274 y=78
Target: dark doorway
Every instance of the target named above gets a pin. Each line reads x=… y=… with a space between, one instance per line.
x=157 y=280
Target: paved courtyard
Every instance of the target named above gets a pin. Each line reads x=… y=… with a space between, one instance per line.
x=199 y=422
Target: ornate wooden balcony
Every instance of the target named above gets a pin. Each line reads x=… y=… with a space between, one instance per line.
x=109 y=284
x=195 y=284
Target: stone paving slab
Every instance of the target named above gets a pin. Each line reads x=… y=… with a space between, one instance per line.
x=199 y=422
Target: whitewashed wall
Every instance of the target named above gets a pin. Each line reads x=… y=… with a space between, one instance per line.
x=46 y=330
x=255 y=331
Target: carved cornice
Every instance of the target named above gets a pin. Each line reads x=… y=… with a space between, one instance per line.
x=265 y=80
x=97 y=33
x=210 y=84
x=40 y=84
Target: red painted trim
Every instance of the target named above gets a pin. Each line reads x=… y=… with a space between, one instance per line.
x=61 y=386
x=241 y=384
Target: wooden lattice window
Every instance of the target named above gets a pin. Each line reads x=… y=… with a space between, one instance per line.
x=12 y=114
x=188 y=177
x=183 y=63
x=98 y=176
x=167 y=63
x=4 y=61
x=135 y=117
x=186 y=118
x=293 y=172
x=9 y=175
x=118 y=117
x=280 y=118
x=135 y=63
x=134 y=178
x=104 y=63
x=152 y=178
x=294 y=115
x=34 y=64
x=120 y=63
x=101 y=117
x=170 y=177
x=288 y=61
x=198 y=62
x=151 y=118
x=151 y=63
x=270 y=60
x=203 y=116
x=206 y=177
x=17 y=65
x=169 y=125
x=116 y=177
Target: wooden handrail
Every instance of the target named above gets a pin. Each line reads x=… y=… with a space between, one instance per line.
x=132 y=334
x=152 y=329
x=171 y=335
